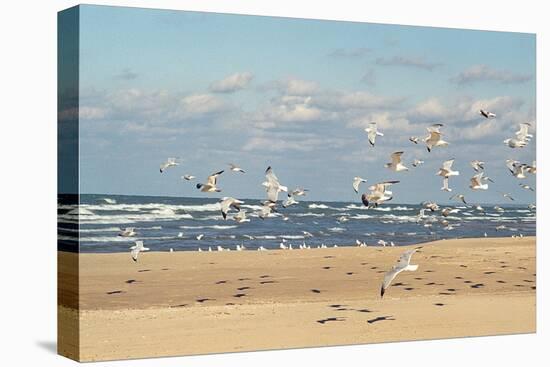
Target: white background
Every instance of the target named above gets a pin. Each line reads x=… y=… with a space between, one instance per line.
x=28 y=182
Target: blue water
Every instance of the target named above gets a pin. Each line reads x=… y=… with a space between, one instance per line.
x=169 y=222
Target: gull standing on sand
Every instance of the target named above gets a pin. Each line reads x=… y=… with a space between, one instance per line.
x=272 y=185
x=396 y=164
x=136 y=249
x=235 y=168
x=378 y=194
x=128 y=232
x=434 y=137
x=487 y=114
x=476 y=182
x=210 y=185
x=446 y=171
x=170 y=162
x=403 y=264
x=373 y=132
x=356 y=182
x=227 y=203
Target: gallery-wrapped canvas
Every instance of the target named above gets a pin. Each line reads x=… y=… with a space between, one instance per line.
x=236 y=183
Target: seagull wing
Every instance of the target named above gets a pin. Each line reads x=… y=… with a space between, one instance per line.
x=213 y=178
x=447 y=165
x=396 y=158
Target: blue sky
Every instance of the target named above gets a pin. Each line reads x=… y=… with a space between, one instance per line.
x=295 y=94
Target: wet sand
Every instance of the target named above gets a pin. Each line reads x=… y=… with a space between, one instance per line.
x=196 y=303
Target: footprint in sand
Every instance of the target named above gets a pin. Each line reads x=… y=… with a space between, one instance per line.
x=329 y=257
x=144 y=270
x=478 y=285
x=451 y=289
x=366 y=310
x=418 y=278
x=242 y=279
x=221 y=282
x=164 y=269
x=445 y=293
x=337 y=306
x=323 y=321
x=501 y=281
x=130 y=281
x=463 y=266
x=459 y=278
x=201 y=300
x=398 y=284
x=326 y=267
x=265 y=276
x=468 y=281
x=364 y=263
x=489 y=272
x=349 y=273
x=533 y=287
x=115 y=292
x=268 y=282
x=374 y=267
x=181 y=305
x=439 y=304
x=316 y=291
x=380 y=318
x=239 y=295
x=243 y=288
x=408 y=289
x=528 y=281
x=504 y=266
x=428 y=271
x=230 y=304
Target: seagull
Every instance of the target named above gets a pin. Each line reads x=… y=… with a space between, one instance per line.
x=532 y=207
x=515 y=143
x=476 y=182
x=460 y=197
x=170 y=162
x=128 y=232
x=523 y=132
x=356 y=182
x=487 y=114
x=272 y=185
x=396 y=164
x=109 y=200
x=282 y=246
x=527 y=187
x=136 y=249
x=498 y=209
x=446 y=171
x=199 y=237
x=266 y=209
x=373 y=132
x=516 y=168
x=431 y=206
x=507 y=196
x=414 y=139
x=289 y=201
x=403 y=264
x=446 y=211
x=382 y=243
x=360 y=243
x=188 y=177
x=342 y=219
x=479 y=208
x=434 y=139
x=477 y=165
x=261 y=248
x=235 y=168
x=299 y=192
x=210 y=185
x=417 y=162
x=379 y=194
x=227 y=203
x=240 y=217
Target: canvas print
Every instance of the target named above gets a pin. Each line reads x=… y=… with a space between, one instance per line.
x=237 y=183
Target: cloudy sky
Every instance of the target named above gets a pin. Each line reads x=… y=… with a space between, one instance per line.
x=295 y=94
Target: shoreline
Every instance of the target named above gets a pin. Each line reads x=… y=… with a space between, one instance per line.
x=190 y=302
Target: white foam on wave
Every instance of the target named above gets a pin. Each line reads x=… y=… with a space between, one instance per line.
x=132 y=218
x=215 y=226
x=309 y=215
x=291 y=237
x=153 y=206
x=337 y=229
x=317 y=206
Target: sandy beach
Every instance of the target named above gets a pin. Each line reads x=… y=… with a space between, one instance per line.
x=185 y=303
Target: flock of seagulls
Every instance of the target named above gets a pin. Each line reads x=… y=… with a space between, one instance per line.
x=375 y=195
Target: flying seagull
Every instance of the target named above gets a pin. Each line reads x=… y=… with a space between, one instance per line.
x=403 y=264
x=240 y=217
x=272 y=185
x=210 y=185
x=434 y=137
x=373 y=132
x=188 y=177
x=128 y=232
x=522 y=137
x=356 y=182
x=459 y=197
x=289 y=201
x=227 y=203
x=378 y=194
x=507 y=196
x=414 y=139
x=446 y=171
x=487 y=114
x=478 y=166
x=299 y=192
x=527 y=187
x=476 y=182
x=170 y=162
x=136 y=249
x=516 y=168
x=235 y=168
x=396 y=164
x=417 y=162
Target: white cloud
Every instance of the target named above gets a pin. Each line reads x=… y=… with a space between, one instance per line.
x=415 y=62
x=232 y=83
x=484 y=73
